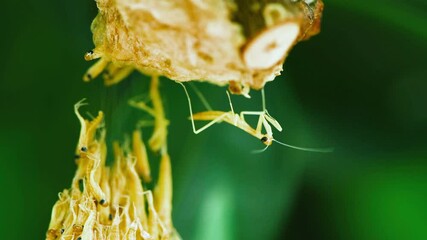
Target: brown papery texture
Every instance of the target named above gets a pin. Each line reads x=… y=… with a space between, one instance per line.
x=203 y=40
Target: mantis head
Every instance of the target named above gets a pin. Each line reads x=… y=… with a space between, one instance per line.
x=267 y=139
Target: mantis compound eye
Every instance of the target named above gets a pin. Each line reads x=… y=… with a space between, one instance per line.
x=92 y=54
x=266 y=140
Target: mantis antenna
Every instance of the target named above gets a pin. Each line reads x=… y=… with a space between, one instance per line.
x=319 y=150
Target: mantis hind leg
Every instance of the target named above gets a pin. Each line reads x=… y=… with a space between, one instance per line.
x=215 y=120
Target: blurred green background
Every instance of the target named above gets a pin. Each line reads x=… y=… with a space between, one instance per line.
x=360 y=86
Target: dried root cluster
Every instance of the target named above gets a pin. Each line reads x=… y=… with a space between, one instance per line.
x=109 y=202
x=242 y=43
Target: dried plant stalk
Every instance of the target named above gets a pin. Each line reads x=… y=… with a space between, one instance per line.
x=241 y=43
x=110 y=203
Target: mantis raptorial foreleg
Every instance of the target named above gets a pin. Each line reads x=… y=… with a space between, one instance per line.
x=95 y=70
x=262 y=115
x=253 y=113
x=273 y=121
x=113 y=77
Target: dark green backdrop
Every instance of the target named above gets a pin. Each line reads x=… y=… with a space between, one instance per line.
x=359 y=86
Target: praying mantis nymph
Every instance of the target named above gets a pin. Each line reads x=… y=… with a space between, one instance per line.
x=265 y=120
